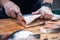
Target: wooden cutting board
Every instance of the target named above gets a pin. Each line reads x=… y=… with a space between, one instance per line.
x=11 y=25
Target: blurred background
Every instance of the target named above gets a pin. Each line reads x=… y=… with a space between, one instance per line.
x=56 y=7
x=56 y=4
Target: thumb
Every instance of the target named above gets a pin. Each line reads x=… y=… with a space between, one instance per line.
x=36 y=12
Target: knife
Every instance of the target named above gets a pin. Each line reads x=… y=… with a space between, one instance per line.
x=20 y=19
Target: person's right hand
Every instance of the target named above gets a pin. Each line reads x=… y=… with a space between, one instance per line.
x=11 y=9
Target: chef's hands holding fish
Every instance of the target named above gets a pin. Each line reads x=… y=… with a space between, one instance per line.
x=13 y=11
x=45 y=12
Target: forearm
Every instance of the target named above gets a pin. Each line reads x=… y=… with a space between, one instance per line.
x=3 y=2
x=48 y=1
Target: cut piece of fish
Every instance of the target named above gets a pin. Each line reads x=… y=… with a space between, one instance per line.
x=29 y=18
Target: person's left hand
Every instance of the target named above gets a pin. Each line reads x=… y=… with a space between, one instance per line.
x=45 y=12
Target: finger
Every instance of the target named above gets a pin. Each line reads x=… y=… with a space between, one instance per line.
x=17 y=11
x=48 y=16
x=8 y=12
x=42 y=14
x=13 y=14
x=36 y=12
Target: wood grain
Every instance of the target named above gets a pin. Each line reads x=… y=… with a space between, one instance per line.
x=8 y=26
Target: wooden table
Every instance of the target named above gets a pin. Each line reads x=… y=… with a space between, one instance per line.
x=10 y=26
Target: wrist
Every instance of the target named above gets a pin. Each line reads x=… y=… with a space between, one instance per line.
x=5 y=2
x=8 y=4
x=46 y=9
x=47 y=5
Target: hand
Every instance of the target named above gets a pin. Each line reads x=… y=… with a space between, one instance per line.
x=11 y=9
x=45 y=12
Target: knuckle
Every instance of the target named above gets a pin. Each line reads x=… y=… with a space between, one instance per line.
x=10 y=9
